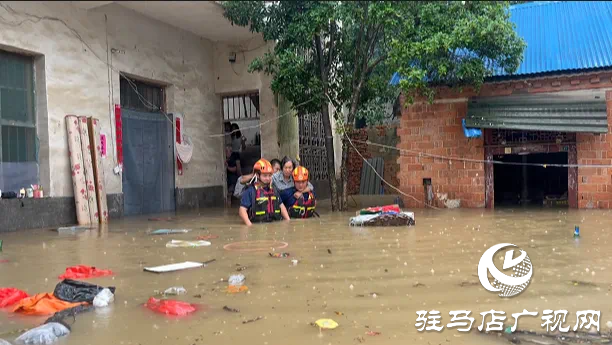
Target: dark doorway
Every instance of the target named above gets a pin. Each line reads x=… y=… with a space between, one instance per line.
x=527 y=185
x=148 y=168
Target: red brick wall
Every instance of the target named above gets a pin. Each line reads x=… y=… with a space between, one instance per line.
x=594 y=184
x=436 y=129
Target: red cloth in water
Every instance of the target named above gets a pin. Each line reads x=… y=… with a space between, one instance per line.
x=10 y=296
x=170 y=307
x=384 y=209
x=84 y=272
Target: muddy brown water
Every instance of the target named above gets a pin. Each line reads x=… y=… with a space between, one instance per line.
x=432 y=265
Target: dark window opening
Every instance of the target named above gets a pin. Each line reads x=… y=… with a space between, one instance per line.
x=531 y=185
x=17 y=120
x=241 y=107
x=138 y=95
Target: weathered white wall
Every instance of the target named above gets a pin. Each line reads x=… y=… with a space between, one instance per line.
x=77 y=82
x=234 y=78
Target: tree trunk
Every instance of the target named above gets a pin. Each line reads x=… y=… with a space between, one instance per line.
x=329 y=150
x=344 y=174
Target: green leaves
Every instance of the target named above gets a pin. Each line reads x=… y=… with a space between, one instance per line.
x=430 y=43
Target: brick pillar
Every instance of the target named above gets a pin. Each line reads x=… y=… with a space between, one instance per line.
x=595 y=184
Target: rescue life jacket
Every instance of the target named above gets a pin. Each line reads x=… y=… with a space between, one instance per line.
x=266 y=207
x=303 y=209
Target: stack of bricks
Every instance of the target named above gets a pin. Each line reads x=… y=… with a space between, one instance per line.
x=435 y=129
x=355 y=162
x=594 y=184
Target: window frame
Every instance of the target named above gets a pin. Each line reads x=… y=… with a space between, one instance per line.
x=30 y=89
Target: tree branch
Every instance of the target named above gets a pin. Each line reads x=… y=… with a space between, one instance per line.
x=375 y=63
x=321 y=58
x=358 y=45
x=332 y=28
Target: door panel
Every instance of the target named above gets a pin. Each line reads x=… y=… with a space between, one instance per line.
x=148 y=176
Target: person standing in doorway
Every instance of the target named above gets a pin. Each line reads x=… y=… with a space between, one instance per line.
x=238 y=141
x=233 y=170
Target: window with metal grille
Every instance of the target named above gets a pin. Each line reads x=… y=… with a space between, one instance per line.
x=241 y=107
x=17 y=119
x=138 y=95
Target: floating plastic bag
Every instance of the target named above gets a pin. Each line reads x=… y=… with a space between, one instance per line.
x=104 y=298
x=75 y=291
x=237 y=289
x=169 y=231
x=326 y=323
x=84 y=272
x=42 y=304
x=186 y=244
x=236 y=279
x=45 y=334
x=470 y=132
x=175 y=290
x=10 y=296
x=170 y=307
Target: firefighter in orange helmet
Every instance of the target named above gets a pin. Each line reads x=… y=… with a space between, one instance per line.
x=300 y=204
x=260 y=202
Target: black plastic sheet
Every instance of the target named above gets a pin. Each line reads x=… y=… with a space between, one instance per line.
x=75 y=291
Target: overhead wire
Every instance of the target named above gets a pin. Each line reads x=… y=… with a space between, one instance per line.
x=35 y=19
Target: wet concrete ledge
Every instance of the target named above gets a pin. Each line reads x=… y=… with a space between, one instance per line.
x=19 y=214
x=195 y=198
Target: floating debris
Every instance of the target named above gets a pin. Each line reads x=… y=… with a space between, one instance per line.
x=207 y=237
x=197 y=296
x=582 y=283
x=237 y=289
x=372 y=333
x=241 y=268
x=417 y=284
x=326 y=323
x=279 y=255
x=329 y=251
x=463 y=284
x=231 y=310
x=339 y=313
x=252 y=320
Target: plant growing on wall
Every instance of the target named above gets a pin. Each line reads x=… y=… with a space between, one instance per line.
x=344 y=53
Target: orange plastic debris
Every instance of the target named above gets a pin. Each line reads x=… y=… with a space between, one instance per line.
x=237 y=289
x=42 y=304
x=84 y=272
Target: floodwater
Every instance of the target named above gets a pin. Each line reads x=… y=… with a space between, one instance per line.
x=366 y=279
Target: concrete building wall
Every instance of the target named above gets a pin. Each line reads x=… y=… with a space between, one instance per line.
x=76 y=80
x=436 y=129
x=234 y=78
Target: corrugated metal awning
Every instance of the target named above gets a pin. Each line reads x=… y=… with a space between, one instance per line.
x=588 y=117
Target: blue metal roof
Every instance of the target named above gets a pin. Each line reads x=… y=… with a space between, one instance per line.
x=563 y=35
x=560 y=36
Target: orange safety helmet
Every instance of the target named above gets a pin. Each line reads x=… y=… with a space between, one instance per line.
x=263 y=166
x=300 y=174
